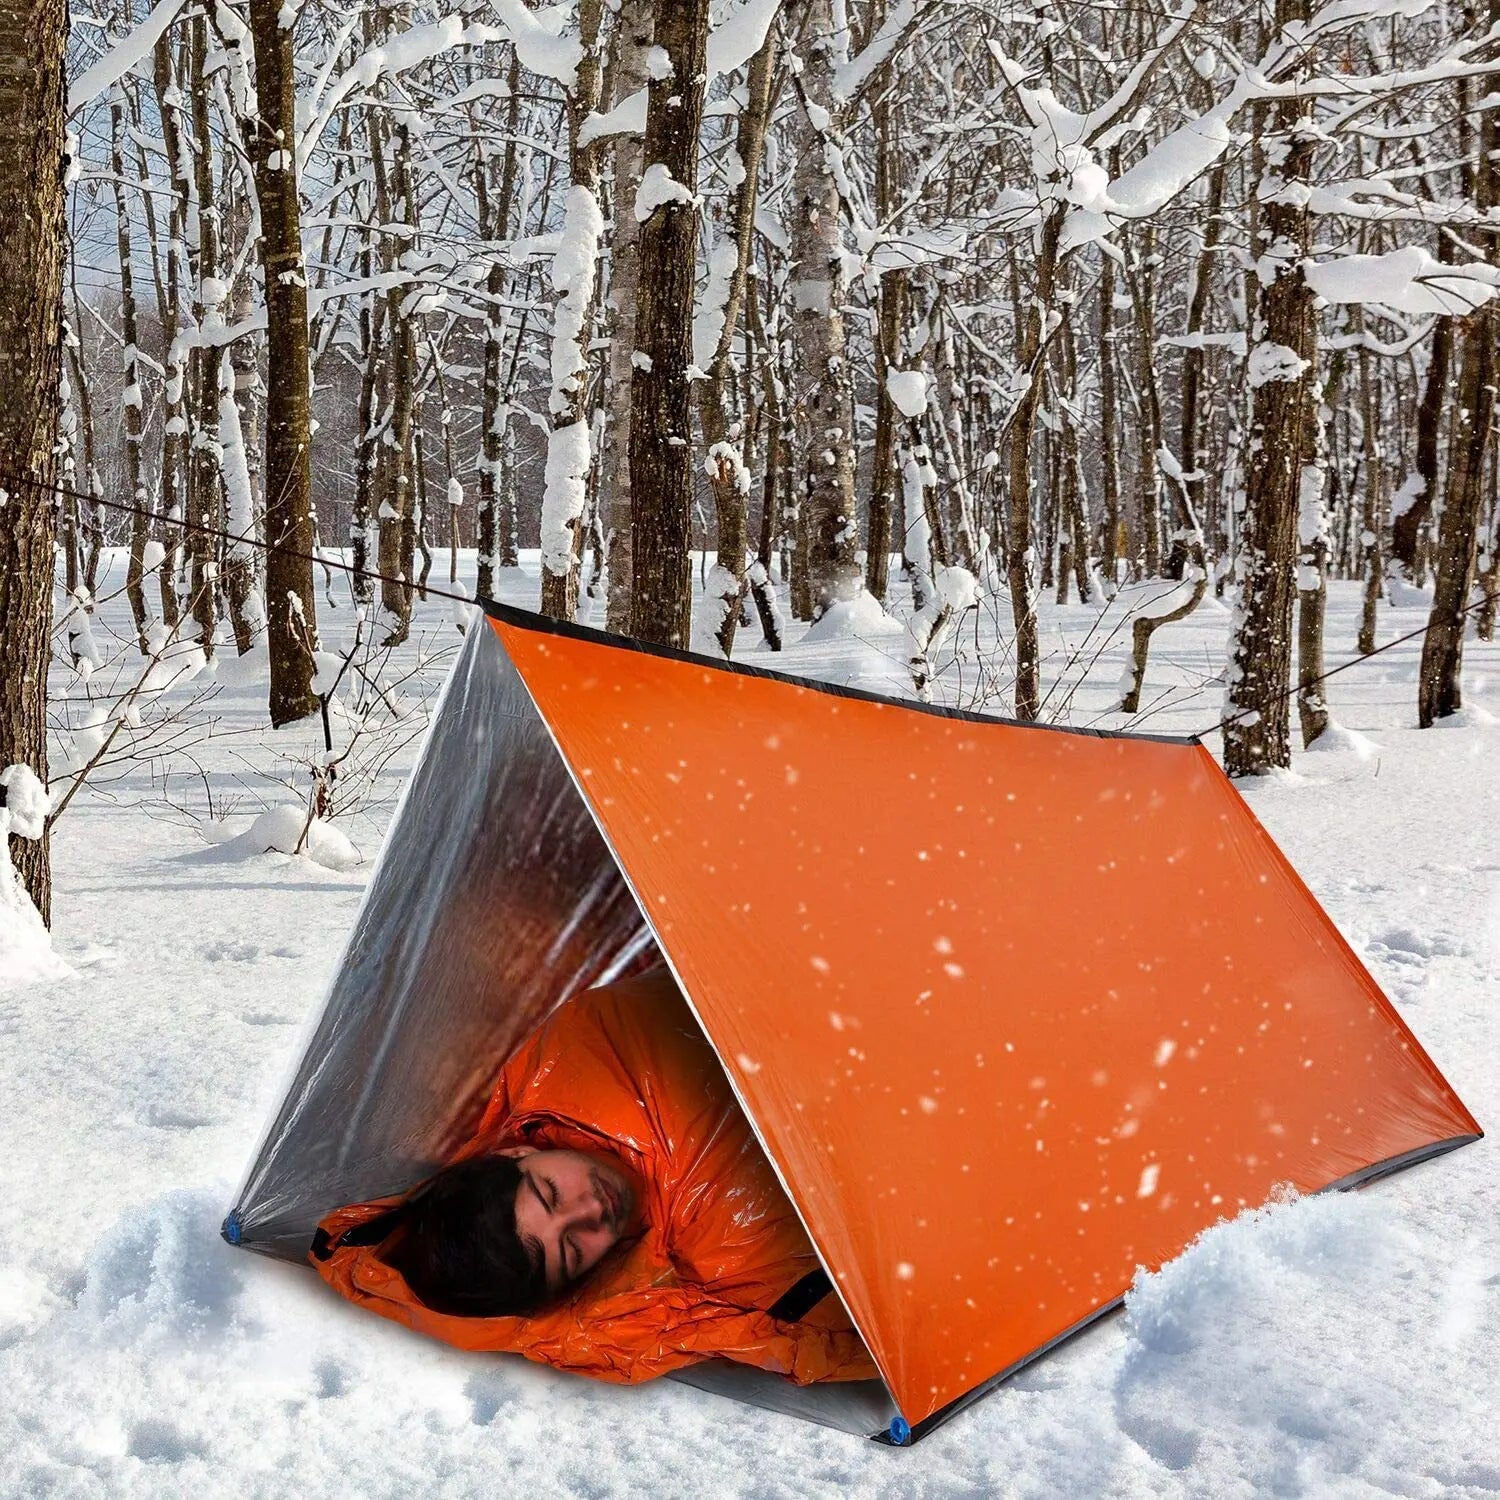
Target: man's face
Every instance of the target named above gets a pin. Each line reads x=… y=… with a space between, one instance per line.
x=571 y=1209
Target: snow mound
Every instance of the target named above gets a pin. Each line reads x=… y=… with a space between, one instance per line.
x=161 y=1275
x=1336 y=738
x=249 y=670
x=1404 y=595
x=25 y=944
x=284 y=827
x=852 y=619
x=280 y=830
x=1285 y=1352
x=1470 y=716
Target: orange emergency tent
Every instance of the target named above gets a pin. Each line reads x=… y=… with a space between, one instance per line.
x=1013 y=1009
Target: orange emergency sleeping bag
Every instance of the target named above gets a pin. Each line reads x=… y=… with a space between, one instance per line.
x=625 y=1068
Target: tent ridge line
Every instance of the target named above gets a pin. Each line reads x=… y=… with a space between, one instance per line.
x=525 y=619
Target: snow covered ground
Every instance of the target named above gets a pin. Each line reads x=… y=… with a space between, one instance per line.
x=1333 y=1346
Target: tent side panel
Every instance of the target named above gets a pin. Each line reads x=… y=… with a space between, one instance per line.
x=1013 y=1012
x=494 y=898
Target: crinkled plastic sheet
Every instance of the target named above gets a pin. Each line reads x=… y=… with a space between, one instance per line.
x=494 y=899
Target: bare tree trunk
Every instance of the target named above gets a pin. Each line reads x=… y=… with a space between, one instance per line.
x=1148 y=432
x=1020 y=563
x=1109 y=453
x=174 y=441
x=1440 y=686
x=291 y=621
x=367 y=444
x=884 y=479
x=203 y=483
x=728 y=469
x=575 y=277
x=494 y=413
x=1193 y=359
x=131 y=400
x=661 y=467
x=33 y=45
x=239 y=450
x=762 y=590
x=397 y=505
x=91 y=527
x=67 y=470
x=1372 y=529
x=1282 y=352
x=952 y=442
x=632 y=44
x=1312 y=571
x=1410 y=519
x=829 y=517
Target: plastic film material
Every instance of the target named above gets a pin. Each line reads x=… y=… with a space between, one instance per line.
x=863 y=1407
x=494 y=899
x=1013 y=1011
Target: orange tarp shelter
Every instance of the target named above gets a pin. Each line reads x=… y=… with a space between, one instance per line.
x=1013 y=1009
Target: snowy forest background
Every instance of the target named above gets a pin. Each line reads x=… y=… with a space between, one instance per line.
x=1018 y=299
x=1129 y=365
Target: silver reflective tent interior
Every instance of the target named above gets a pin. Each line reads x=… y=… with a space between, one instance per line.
x=494 y=899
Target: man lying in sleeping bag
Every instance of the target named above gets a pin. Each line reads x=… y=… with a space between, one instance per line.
x=613 y=1215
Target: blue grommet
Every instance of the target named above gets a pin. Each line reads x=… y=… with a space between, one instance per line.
x=899 y=1431
x=232 y=1229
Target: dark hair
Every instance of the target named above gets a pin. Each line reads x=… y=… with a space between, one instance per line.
x=459 y=1251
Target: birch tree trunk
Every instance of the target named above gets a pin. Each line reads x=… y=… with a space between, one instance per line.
x=203 y=478
x=887 y=352
x=130 y=372
x=632 y=44
x=1109 y=455
x=1020 y=561
x=291 y=622
x=1312 y=570
x=239 y=448
x=494 y=413
x=575 y=278
x=33 y=45
x=829 y=517
x=1372 y=528
x=661 y=468
x=174 y=440
x=396 y=513
x=729 y=263
x=366 y=448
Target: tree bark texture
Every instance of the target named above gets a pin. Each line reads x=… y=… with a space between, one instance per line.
x=291 y=621
x=569 y=450
x=728 y=467
x=661 y=480
x=204 y=510
x=824 y=386
x=1281 y=360
x=33 y=44
x=1440 y=684
x=633 y=31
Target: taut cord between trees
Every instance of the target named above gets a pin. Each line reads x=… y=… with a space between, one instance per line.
x=322 y=560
